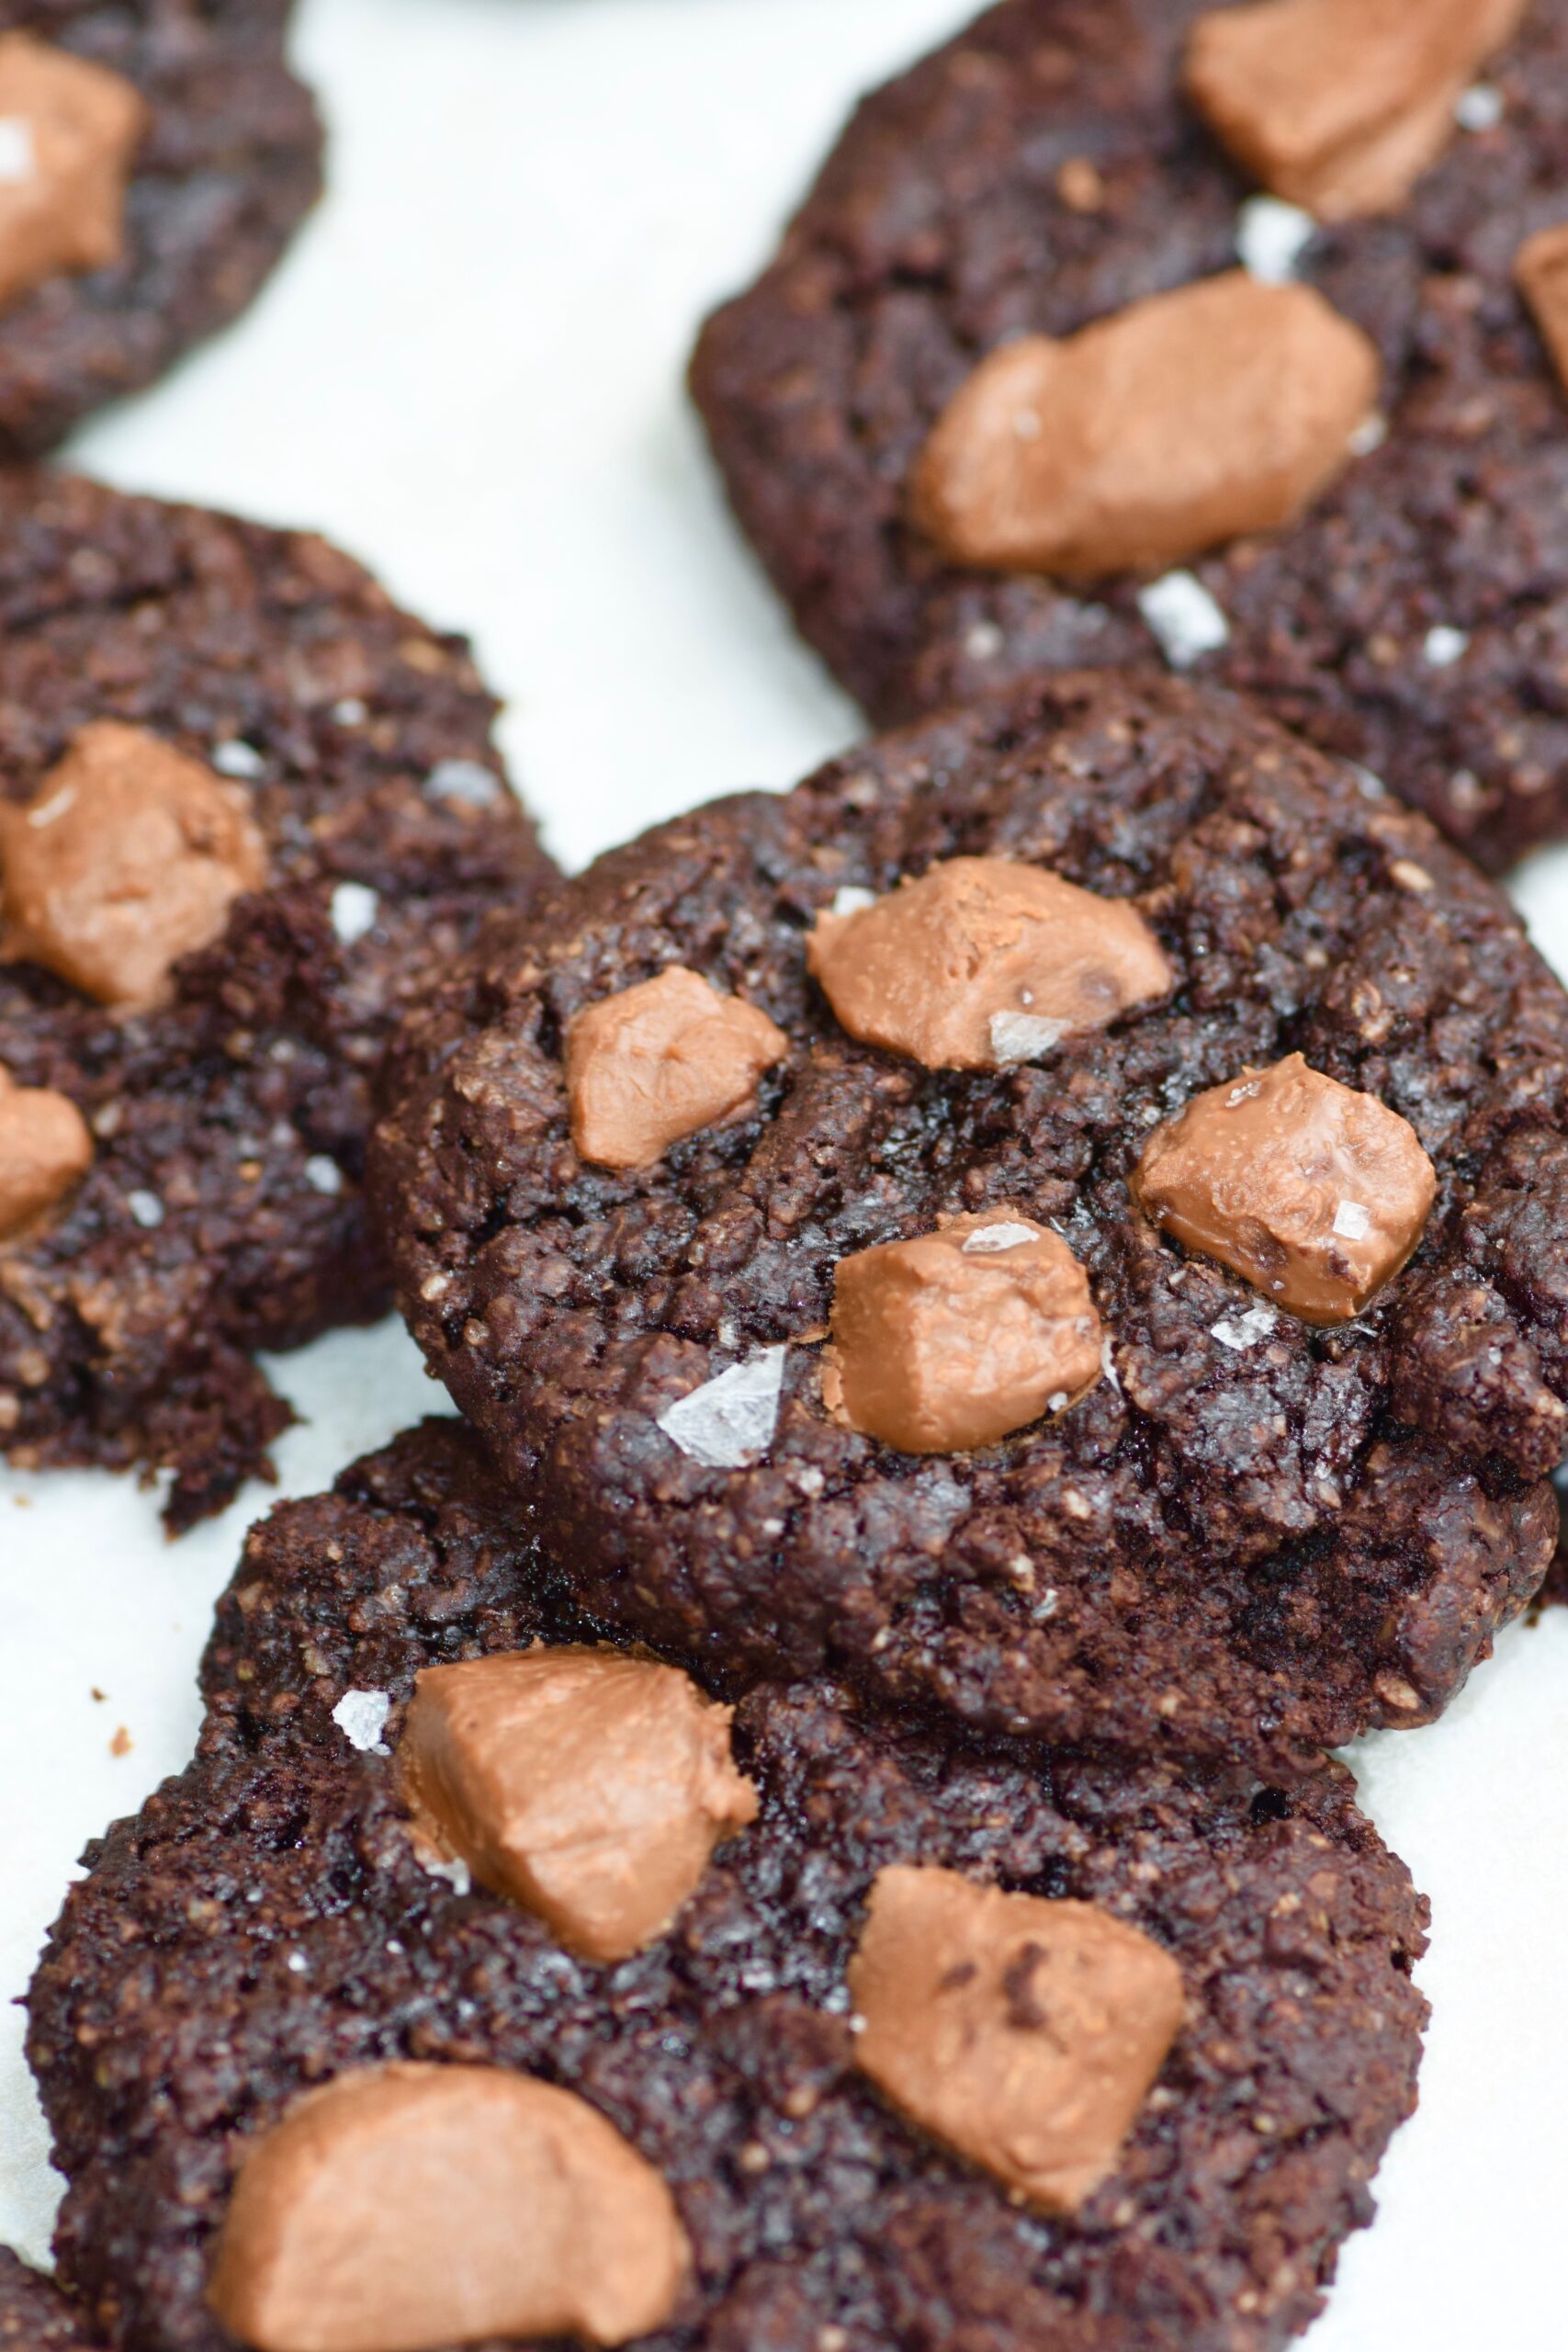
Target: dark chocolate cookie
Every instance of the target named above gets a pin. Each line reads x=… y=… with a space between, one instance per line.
x=267 y=1925
x=322 y=766
x=1043 y=171
x=1252 y=1532
x=217 y=163
x=34 y=2314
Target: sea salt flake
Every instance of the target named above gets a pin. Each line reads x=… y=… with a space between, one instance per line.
x=296 y=1963
x=354 y=909
x=237 y=759
x=1445 y=646
x=1370 y=434
x=1371 y=786
x=729 y=1422
x=18 y=156
x=1240 y=1331
x=455 y=1871
x=361 y=1717
x=988 y=1238
x=1351 y=1221
x=1184 y=617
x=1022 y=1038
x=146 y=1208
x=351 y=711
x=463 y=780
x=984 y=641
x=1270 y=238
x=52 y=811
x=1480 y=108
x=853 y=900
x=323 y=1175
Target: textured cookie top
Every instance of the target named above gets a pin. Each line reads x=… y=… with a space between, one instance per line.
x=1248 y=1530
x=158 y=156
x=1043 y=173
x=315 y=772
x=269 y=1922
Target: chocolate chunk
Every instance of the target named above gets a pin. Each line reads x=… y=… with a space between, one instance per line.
x=662 y=1060
x=1025 y=2033
x=45 y=1148
x=68 y=131
x=127 y=857
x=591 y=1787
x=1313 y=1193
x=959 y=1336
x=983 y=964
x=407 y=2207
x=1540 y=271
x=1342 y=104
x=1186 y=421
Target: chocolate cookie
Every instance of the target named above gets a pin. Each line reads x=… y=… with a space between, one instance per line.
x=1299 y=1488
x=34 y=2315
x=1045 y=171
x=273 y=1923
x=157 y=157
x=247 y=808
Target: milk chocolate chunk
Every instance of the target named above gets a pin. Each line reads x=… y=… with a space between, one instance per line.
x=659 y=1061
x=982 y=963
x=960 y=1337
x=1315 y=1193
x=68 y=131
x=1340 y=106
x=590 y=1787
x=127 y=857
x=45 y=1148
x=1540 y=270
x=1025 y=2033
x=406 y=2207
x=1186 y=420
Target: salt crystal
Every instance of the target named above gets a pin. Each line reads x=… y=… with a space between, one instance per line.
x=239 y=759
x=18 y=157
x=1270 y=238
x=851 y=900
x=350 y=711
x=296 y=1963
x=361 y=1717
x=1351 y=1221
x=322 y=1174
x=729 y=1422
x=1445 y=646
x=1244 y=1330
x=984 y=641
x=1022 y=1038
x=354 y=909
x=1480 y=108
x=1184 y=617
x=463 y=780
x=146 y=1208
x=456 y=1872
x=1370 y=434
x=1371 y=786
x=987 y=1238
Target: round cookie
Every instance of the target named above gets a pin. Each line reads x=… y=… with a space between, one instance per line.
x=200 y=155
x=266 y=1924
x=34 y=2315
x=1043 y=171
x=180 y=1178
x=1251 y=1533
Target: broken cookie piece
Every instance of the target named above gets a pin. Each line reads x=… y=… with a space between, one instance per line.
x=983 y=964
x=959 y=1336
x=1188 y=419
x=1315 y=1194
x=128 y=857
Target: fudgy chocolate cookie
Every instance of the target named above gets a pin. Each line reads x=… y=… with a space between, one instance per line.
x=272 y=1925
x=1045 y=171
x=34 y=2315
x=157 y=156
x=1133 y=1464
x=247 y=808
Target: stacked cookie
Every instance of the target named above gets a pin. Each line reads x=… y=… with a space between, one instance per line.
x=1002 y=1302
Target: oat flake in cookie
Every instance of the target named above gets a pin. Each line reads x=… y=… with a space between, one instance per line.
x=1043 y=175
x=155 y=158
x=268 y=1928
x=246 y=809
x=1250 y=1531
